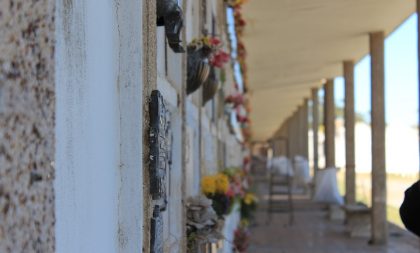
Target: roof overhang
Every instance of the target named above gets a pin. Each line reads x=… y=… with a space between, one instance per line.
x=294 y=45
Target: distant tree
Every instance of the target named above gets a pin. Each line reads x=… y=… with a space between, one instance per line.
x=339 y=113
x=359 y=118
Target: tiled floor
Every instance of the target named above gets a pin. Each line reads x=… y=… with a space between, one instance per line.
x=312 y=232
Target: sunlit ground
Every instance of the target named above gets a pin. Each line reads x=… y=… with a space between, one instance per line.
x=396 y=185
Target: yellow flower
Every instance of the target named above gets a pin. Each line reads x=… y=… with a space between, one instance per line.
x=250 y=198
x=222 y=183
x=236 y=3
x=244 y=223
x=208 y=185
x=206 y=40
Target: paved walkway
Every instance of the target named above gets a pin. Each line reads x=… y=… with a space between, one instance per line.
x=312 y=232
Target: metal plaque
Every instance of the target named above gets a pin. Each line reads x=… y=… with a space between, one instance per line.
x=156 y=233
x=160 y=139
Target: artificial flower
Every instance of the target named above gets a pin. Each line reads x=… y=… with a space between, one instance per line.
x=250 y=198
x=208 y=185
x=222 y=183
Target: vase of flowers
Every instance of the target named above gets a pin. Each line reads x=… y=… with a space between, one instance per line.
x=241 y=239
x=198 y=65
x=203 y=54
x=216 y=187
x=211 y=86
x=248 y=206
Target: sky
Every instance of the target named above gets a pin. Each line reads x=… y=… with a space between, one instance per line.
x=401 y=102
x=401 y=81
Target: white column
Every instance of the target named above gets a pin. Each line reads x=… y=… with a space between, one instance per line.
x=349 y=126
x=99 y=126
x=379 y=217
x=329 y=123
x=315 y=124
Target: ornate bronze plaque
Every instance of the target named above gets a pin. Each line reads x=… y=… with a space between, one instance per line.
x=160 y=141
x=159 y=149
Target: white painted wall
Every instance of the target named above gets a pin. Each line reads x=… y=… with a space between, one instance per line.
x=176 y=205
x=232 y=222
x=169 y=83
x=98 y=184
x=173 y=216
x=192 y=14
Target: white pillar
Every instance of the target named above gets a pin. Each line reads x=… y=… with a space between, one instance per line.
x=99 y=126
x=379 y=217
x=304 y=129
x=315 y=125
x=349 y=126
x=329 y=123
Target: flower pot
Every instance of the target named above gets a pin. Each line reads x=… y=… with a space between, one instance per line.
x=198 y=67
x=211 y=86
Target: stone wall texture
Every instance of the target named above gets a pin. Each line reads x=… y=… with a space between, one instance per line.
x=26 y=126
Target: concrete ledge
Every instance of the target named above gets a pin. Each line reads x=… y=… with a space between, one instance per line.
x=336 y=213
x=358 y=220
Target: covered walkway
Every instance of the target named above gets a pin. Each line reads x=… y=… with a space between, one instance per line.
x=313 y=231
x=295 y=50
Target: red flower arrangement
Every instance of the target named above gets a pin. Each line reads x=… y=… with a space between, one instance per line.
x=236 y=100
x=241 y=50
x=240 y=22
x=219 y=57
x=216 y=42
x=241 y=239
x=235 y=3
x=246 y=160
x=242 y=119
x=236 y=189
x=238 y=182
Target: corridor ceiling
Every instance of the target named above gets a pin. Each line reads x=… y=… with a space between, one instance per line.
x=293 y=45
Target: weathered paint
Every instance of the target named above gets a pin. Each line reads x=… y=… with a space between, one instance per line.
x=99 y=115
x=192 y=154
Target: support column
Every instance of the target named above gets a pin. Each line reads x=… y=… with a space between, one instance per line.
x=379 y=218
x=300 y=130
x=298 y=136
x=349 y=126
x=329 y=123
x=305 y=129
x=289 y=136
x=294 y=136
x=283 y=134
x=315 y=125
